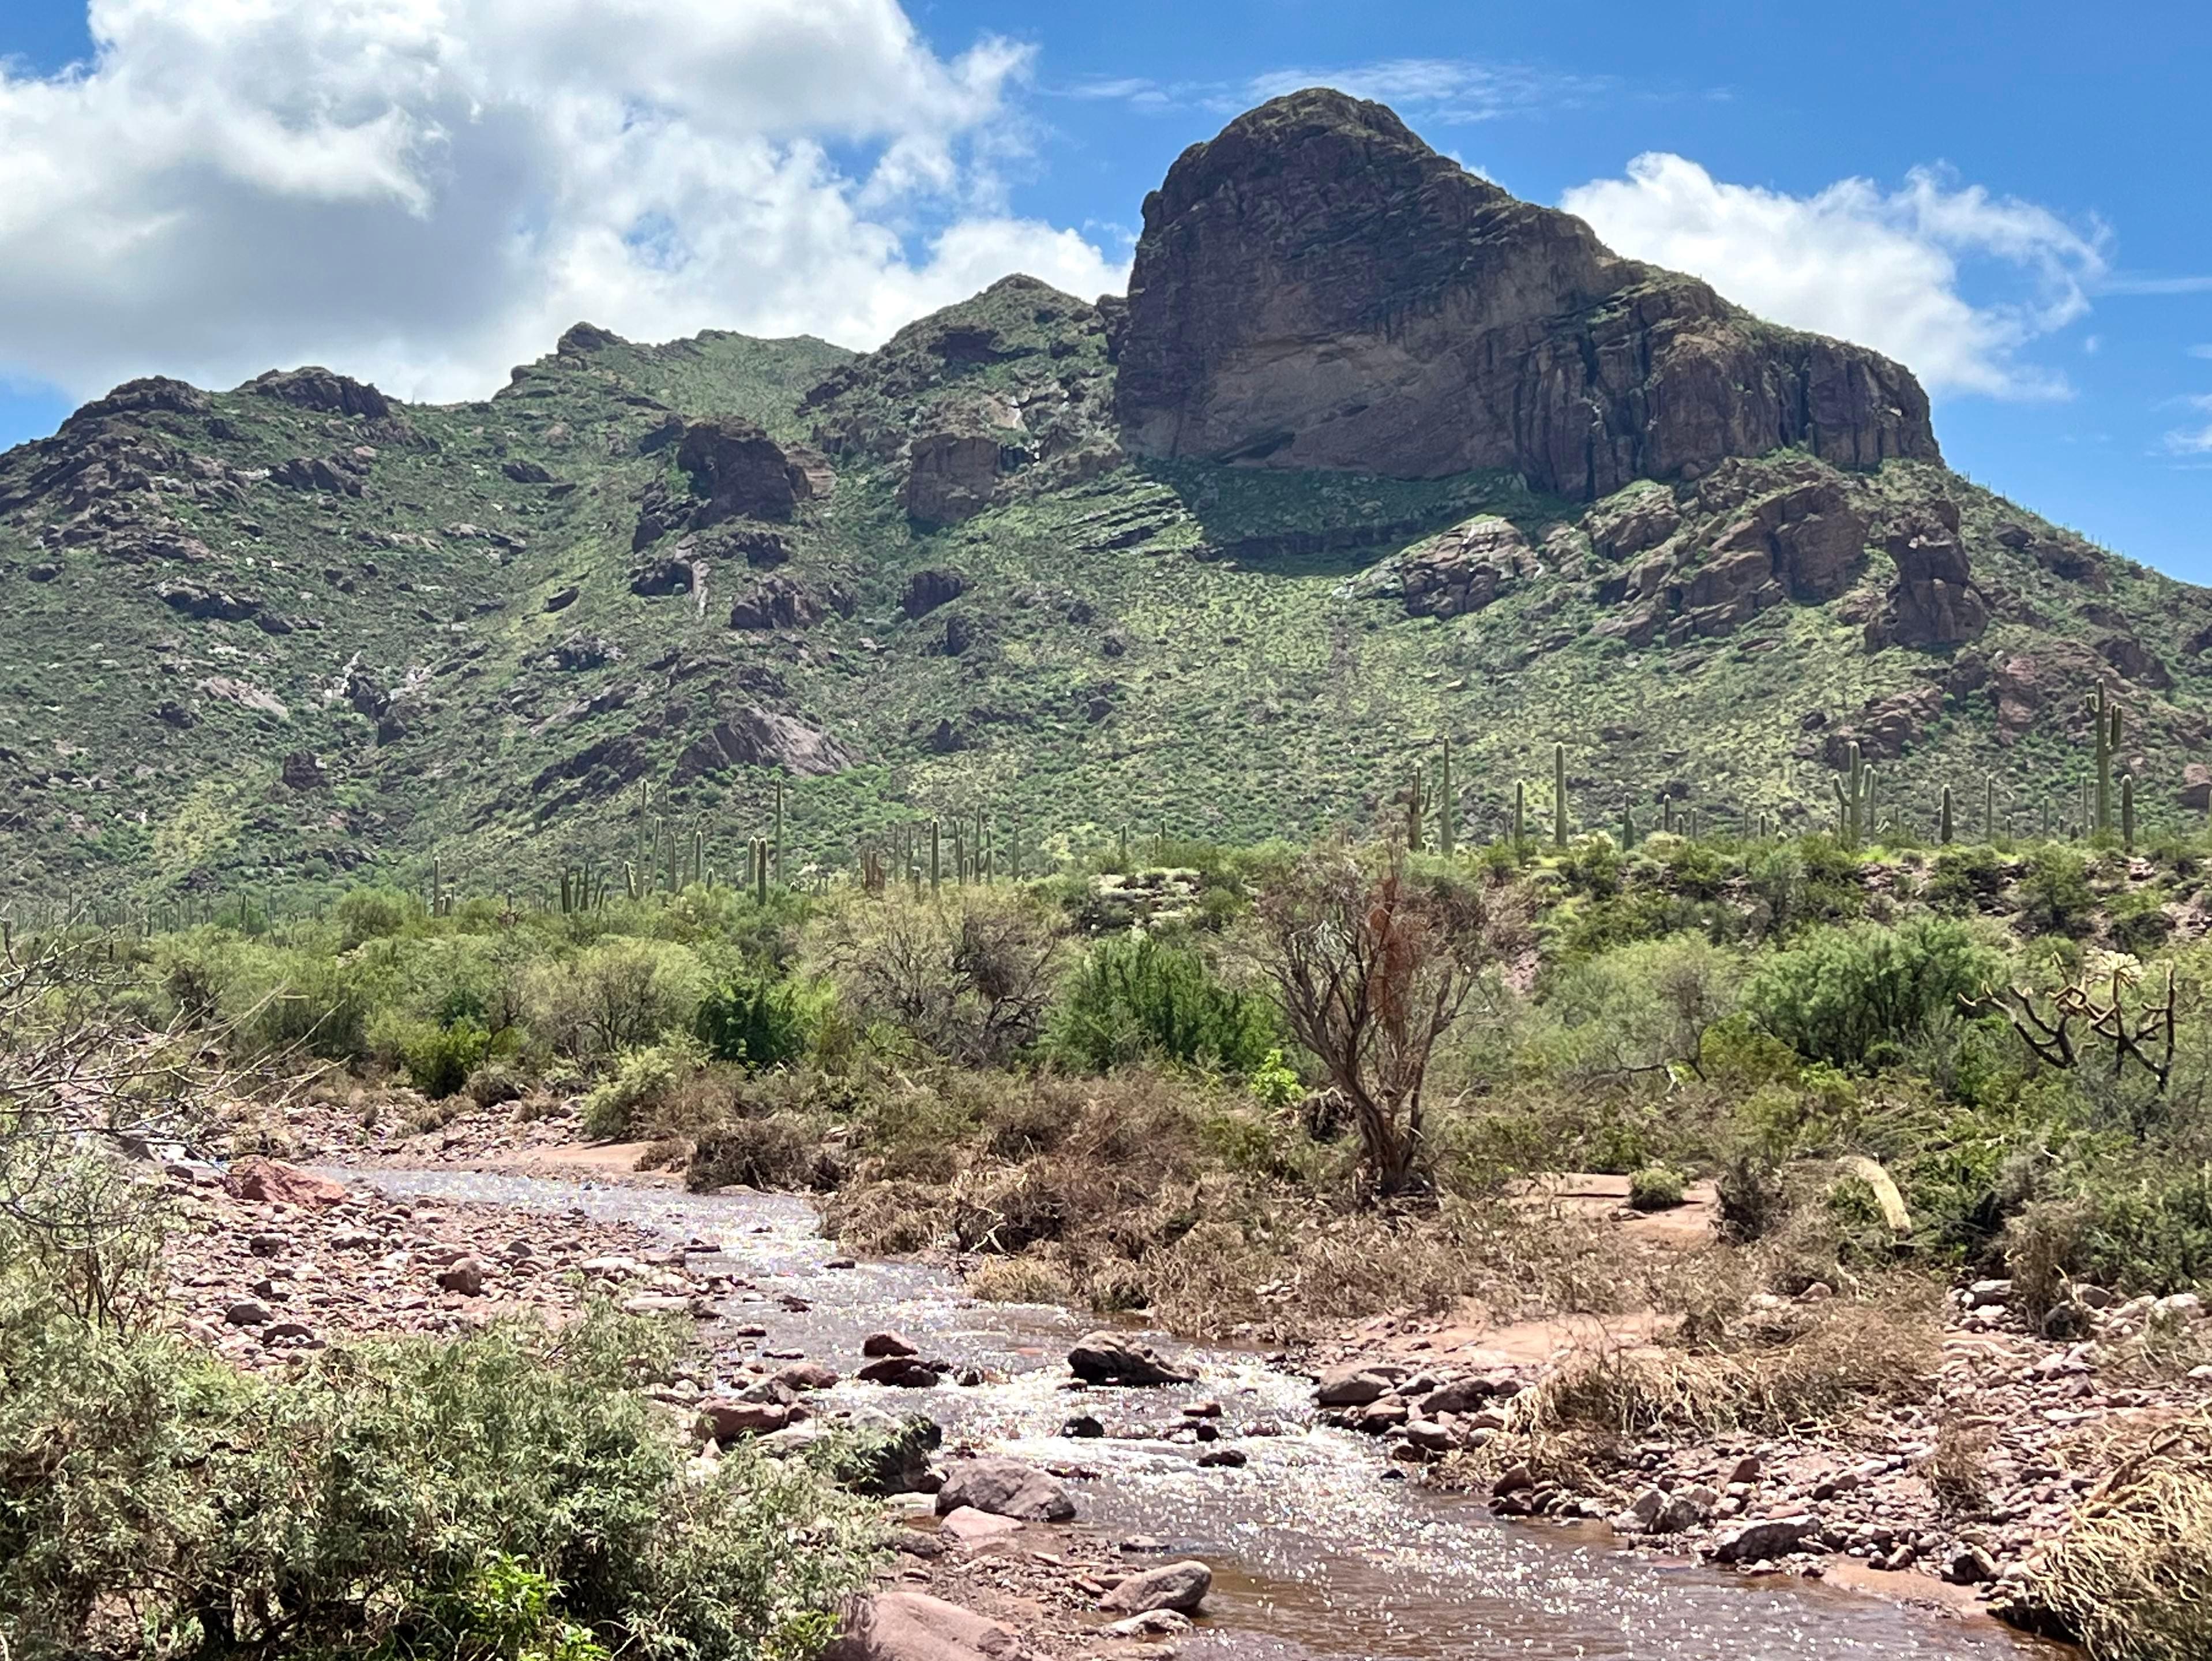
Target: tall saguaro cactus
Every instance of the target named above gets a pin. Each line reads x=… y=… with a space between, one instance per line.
x=1854 y=798
x=1447 y=804
x=1943 y=825
x=2105 y=716
x=1558 y=796
x=1520 y=811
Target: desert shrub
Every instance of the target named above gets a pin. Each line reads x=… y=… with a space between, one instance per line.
x=2138 y=923
x=1655 y=1188
x=783 y=1151
x=439 y=1058
x=2134 y=1220
x=1852 y=995
x=376 y=914
x=1813 y=880
x=968 y=973
x=1643 y=1007
x=2054 y=894
x=615 y=994
x=753 y=1022
x=1855 y=1357
x=1966 y=880
x=2130 y=1579
x=1132 y=996
x=620 y=1105
x=495 y=1083
x=386 y=1494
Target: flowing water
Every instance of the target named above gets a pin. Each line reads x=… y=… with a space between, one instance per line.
x=1317 y=1552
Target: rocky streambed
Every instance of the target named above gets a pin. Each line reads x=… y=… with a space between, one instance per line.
x=1319 y=1543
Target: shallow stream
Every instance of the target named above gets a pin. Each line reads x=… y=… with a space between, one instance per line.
x=1315 y=1552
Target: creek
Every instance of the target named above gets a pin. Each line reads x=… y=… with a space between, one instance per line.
x=1318 y=1554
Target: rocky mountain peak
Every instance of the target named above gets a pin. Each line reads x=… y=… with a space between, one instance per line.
x=1317 y=288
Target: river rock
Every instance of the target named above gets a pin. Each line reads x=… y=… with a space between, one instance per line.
x=1179 y=1587
x=1005 y=1488
x=1768 y=1536
x=1351 y=1386
x=1152 y=1623
x=726 y=1420
x=911 y=1626
x=1111 y=1357
x=880 y=1455
x=246 y=1313
x=899 y=1371
x=806 y=1375
x=887 y=1343
x=272 y=1182
x=967 y=1526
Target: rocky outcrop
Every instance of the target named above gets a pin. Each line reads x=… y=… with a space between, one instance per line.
x=340 y=475
x=735 y=471
x=952 y=476
x=927 y=590
x=1461 y=571
x=784 y=602
x=753 y=737
x=1933 y=602
x=318 y=388
x=1749 y=537
x=1317 y=288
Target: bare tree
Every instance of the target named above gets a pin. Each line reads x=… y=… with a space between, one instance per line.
x=1372 y=968
x=85 y=1093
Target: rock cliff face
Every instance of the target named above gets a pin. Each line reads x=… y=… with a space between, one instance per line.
x=1317 y=288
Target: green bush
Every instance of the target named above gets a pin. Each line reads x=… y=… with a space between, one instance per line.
x=2054 y=894
x=1853 y=995
x=508 y=1494
x=1132 y=997
x=643 y=1079
x=1655 y=1188
x=756 y=1023
x=376 y=914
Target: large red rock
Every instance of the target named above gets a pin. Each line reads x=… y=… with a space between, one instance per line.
x=273 y=1182
x=1317 y=288
x=910 y=1625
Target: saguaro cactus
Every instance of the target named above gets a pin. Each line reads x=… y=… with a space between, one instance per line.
x=1854 y=789
x=2105 y=715
x=1447 y=804
x=1558 y=796
x=1520 y=811
x=1943 y=823
x=2128 y=812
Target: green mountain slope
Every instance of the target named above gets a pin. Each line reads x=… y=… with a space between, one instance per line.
x=270 y=636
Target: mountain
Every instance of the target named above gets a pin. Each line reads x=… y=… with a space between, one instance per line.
x=1371 y=453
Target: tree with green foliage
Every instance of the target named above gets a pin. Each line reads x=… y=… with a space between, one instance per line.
x=1853 y=995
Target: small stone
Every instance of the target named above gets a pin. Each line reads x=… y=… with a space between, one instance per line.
x=1970 y=1565
x=465 y=1276
x=1112 y=1358
x=1745 y=1471
x=1223 y=1459
x=1768 y=1536
x=1152 y=1623
x=245 y=1313
x=1083 y=1425
x=887 y=1343
x=900 y=1372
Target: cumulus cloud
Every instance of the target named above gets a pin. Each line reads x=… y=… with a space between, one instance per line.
x=1886 y=268
x=428 y=190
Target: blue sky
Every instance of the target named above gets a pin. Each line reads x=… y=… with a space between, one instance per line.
x=2031 y=188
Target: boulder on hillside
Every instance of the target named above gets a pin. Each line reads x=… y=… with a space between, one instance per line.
x=751 y=736
x=1460 y=570
x=927 y=590
x=145 y=396
x=2196 y=787
x=581 y=339
x=1933 y=601
x=741 y=472
x=317 y=389
x=911 y=1626
x=1005 y=1488
x=951 y=475
x=1317 y=288
x=777 y=602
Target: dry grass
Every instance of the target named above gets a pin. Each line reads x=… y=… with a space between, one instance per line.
x=1029 y=1279
x=1849 y=1357
x=2131 y=1578
x=1955 y=1472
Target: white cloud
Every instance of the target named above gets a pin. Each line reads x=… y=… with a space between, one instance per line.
x=1883 y=269
x=2192 y=441
x=2201 y=351
x=427 y=191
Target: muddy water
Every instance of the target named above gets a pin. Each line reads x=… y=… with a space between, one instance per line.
x=1317 y=1552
